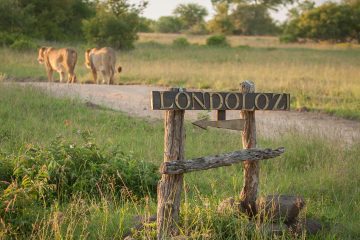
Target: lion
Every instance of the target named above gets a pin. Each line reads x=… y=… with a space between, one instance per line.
x=102 y=60
x=62 y=60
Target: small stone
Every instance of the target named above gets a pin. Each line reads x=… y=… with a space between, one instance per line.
x=280 y=208
x=310 y=226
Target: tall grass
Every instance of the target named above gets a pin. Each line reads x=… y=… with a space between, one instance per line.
x=324 y=173
x=319 y=79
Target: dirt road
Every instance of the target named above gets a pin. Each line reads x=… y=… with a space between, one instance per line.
x=135 y=101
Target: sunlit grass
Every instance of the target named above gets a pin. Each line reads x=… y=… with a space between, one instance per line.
x=321 y=171
x=324 y=78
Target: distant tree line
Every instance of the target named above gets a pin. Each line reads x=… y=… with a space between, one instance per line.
x=116 y=22
x=105 y=22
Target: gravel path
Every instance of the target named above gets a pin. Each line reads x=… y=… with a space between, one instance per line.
x=135 y=100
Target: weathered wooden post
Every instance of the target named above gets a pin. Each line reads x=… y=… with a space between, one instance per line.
x=174 y=103
x=249 y=191
x=170 y=186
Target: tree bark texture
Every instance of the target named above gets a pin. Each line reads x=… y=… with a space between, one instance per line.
x=249 y=191
x=170 y=186
x=221 y=160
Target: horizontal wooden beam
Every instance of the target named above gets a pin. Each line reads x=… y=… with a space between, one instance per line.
x=226 y=159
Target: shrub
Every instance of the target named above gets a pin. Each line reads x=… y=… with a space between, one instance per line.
x=181 y=42
x=168 y=24
x=6 y=39
x=23 y=45
x=42 y=175
x=287 y=38
x=107 y=29
x=217 y=40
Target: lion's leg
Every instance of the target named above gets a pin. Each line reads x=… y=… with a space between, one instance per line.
x=112 y=73
x=62 y=76
x=94 y=73
x=50 y=75
x=103 y=75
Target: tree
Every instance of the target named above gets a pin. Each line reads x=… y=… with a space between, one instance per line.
x=253 y=20
x=169 y=24
x=244 y=16
x=115 y=24
x=222 y=22
x=191 y=14
x=330 y=21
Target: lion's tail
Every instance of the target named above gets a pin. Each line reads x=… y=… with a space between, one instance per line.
x=119 y=69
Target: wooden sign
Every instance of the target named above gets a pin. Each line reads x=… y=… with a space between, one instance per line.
x=234 y=124
x=182 y=100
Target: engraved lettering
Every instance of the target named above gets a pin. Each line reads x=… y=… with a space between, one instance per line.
x=177 y=103
x=276 y=106
x=237 y=102
x=195 y=98
x=162 y=104
x=266 y=101
x=221 y=100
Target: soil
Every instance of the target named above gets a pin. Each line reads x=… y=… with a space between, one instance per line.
x=135 y=101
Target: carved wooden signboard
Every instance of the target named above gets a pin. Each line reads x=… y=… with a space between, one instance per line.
x=182 y=100
x=175 y=103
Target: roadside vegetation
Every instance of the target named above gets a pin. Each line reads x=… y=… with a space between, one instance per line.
x=43 y=140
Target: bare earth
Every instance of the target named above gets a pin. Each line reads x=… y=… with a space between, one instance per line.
x=135 y=101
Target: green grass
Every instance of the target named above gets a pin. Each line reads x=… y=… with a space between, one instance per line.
x=318 y=79
x=324 y=173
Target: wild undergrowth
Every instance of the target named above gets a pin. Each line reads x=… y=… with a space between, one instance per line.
x=60 y=182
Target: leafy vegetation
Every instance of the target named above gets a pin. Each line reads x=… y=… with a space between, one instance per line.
x=321 y=171
x=181 y=42
x=217 y=40
x=336 y=22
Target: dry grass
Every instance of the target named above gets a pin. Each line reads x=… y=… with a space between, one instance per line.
x=253 y=41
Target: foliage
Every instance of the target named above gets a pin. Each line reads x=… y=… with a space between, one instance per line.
x=6 y=39
x=217 y=40
x=110 y=29
x=190 y=14
x=330 y=21
x=252 y=20
x=146 y=25
x=222 y=21
x=287 y=38
x=50 y=20
x=23 y=45
x=42 y=175
x=169 y=24
x=243 y=17
x=181 y=42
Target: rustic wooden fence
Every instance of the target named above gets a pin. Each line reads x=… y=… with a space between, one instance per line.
x=174 y=103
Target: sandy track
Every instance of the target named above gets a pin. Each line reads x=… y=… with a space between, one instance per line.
x=135 y=100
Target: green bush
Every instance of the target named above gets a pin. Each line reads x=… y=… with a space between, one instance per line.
x=168 y=24
x=287 y=38
x=23 y=45
x=6 y=39
x=42 y=175
x=107 y=29
x=217 y=40
x=181 y=42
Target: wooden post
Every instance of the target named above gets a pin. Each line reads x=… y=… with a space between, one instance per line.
x=221 y=115
x=170 y=186
x=249 y=191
